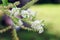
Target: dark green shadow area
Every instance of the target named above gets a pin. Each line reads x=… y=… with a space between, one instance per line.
x=29 y=35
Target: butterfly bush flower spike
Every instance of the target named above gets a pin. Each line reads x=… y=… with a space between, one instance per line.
x=20 y=18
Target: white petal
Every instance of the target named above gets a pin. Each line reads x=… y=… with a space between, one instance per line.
x=25 y=14
x=16 y=13
x=20 y=23
x=41 y=30
x=36 y=25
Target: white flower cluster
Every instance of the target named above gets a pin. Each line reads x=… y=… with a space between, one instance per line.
x=15 y=11
x=38 y=26
x=28 y=14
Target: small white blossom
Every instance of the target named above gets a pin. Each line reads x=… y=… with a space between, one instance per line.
x=25 y=14
x=31 y=13
x=28 y=14
x=37 y=26
x=15 y=11
x=41 y=30
x=37 y=22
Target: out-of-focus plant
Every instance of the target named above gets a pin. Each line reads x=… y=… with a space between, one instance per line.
x=17 y=18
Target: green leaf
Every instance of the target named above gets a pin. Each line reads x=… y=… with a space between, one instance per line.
x=5 y=2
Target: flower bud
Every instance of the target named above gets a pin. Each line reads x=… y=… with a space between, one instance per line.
x=6 y=21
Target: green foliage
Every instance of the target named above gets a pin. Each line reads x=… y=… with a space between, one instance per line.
x=5 y=2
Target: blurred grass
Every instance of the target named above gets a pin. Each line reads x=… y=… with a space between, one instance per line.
x=51 y=14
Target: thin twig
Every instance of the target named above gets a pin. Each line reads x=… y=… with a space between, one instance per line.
x=14 y=35
x=5 y=29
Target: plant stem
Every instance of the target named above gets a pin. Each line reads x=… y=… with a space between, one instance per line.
x=5 y=29
x=29 y=4
x=14 y=35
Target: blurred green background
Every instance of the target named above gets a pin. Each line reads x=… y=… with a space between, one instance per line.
x=48 y=12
